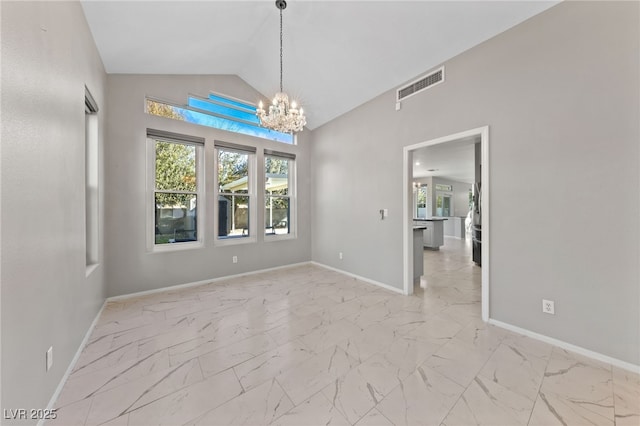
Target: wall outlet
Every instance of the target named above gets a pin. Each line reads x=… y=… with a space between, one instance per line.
x=340 y=255
x=49 y=358
x=548 y=307
x=234 y=259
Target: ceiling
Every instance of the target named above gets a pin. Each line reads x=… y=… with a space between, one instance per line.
x=337 y=54
x=453 y=160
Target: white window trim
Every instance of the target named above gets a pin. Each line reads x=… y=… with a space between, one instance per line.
x=293 y=204
x=152 y=247
x=92 y=181
x=253 y=237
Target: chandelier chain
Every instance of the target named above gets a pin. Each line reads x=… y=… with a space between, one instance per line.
x=281 y=115
x=281 y=50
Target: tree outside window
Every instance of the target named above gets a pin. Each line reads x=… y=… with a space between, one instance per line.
x=175 y=192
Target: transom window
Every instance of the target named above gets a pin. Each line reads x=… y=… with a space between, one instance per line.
x=220 y=112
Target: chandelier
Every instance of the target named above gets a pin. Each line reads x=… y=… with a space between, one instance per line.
x=282 y=116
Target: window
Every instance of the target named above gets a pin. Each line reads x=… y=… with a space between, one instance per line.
x=235 y=190
x=91 y=179
x=219 y=112
x=444 y=204
x=278 y=168
x=421 y=202
x=176 y=184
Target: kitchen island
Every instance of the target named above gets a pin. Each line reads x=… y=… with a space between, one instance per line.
x=433 y=236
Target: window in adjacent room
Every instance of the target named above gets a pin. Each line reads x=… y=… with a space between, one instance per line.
x=91 y=175
x=235 y=191
x=278 y=188
x=444 y=204
x=421 y=202
x=176 y=187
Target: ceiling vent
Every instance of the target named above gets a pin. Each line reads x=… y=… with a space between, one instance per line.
x=430 y=80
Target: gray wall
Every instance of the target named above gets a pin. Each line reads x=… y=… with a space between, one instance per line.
x=560 y=94
x=131 y=268
x=48 y=56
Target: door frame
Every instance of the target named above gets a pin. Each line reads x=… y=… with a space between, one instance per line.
x=407 y=196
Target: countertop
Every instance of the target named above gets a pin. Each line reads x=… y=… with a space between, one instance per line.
x=433 y=219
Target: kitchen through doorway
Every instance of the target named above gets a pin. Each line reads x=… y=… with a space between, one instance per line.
x=441 y=204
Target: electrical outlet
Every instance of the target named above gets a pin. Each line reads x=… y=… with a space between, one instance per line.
x=340 y=255
x=548 y=307
x=49 y=358
x=235 y=259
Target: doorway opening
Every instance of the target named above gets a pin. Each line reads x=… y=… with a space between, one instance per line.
x=481 y=134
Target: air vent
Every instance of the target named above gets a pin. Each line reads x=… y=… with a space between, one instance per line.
x=423 y=83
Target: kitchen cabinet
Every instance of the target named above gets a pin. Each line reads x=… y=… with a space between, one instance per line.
x=455 y=227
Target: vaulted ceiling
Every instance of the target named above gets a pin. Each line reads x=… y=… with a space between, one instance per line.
x=337 y=54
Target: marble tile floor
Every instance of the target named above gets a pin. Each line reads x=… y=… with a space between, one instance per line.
x=309 y=346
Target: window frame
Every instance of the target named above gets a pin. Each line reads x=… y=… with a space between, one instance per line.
x=251 y=153
x=420 y=187
x=292 y=195
x=154 y=136
x=442 y=195
x=92 y=183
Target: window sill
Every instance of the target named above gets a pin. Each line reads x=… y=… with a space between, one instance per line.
x=164 y=248
x=90 y=269
x=269 y=238
x=232 y=241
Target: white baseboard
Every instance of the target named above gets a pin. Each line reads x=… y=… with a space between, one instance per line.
x=568 y=346
x=197 y=283
x=73 y=362
x=361 y=278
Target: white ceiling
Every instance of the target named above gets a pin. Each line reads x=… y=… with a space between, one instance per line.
x=337 y=54
x=453 y=160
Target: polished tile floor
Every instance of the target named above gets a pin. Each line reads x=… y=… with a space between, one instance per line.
x=309 y=346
